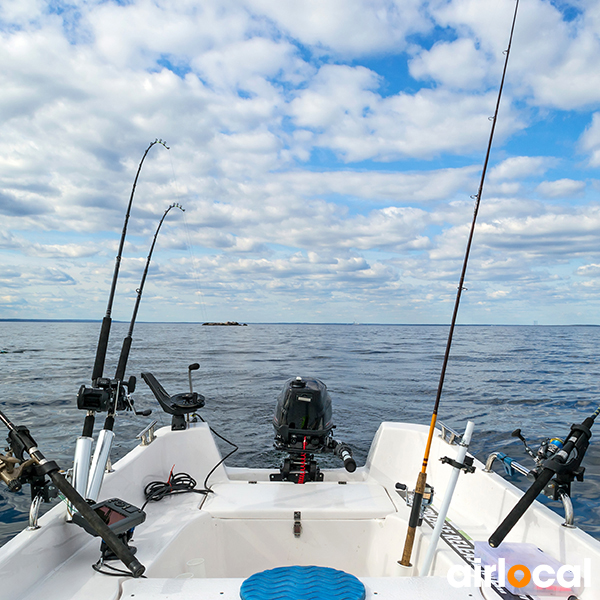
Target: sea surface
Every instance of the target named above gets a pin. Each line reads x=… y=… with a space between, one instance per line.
x=540 y=379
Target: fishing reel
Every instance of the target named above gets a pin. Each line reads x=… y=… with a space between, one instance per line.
x=560 y=484
x=303 y=427
x=16 y=471
x=409 y=495
x=107 y=395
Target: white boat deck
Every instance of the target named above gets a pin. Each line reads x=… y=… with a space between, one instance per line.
x=247 y=525
x=376 y=588
x=315 y=500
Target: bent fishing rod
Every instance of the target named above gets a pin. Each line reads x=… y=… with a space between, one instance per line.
x=120 y=400
x=96 y=398
x=415 y=514
x=106 y=321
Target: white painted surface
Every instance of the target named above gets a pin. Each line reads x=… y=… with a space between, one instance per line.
x=246 y=527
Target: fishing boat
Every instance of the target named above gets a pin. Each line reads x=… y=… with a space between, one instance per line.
x=299 y=531
x=141 y=529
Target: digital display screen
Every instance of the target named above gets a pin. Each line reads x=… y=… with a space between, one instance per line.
x=109 y=515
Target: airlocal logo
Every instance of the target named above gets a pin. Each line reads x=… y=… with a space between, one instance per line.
x=542 y=580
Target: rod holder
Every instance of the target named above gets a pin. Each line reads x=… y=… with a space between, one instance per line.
x=99 y=462
x=81 y=464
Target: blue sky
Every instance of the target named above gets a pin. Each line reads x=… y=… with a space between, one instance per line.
x=325 y=153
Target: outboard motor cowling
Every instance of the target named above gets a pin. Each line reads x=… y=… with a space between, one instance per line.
x=303 y=424
x=303 y=416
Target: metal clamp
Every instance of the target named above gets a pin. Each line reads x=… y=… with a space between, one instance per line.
x=297 y=523
x=466 y=466
x=510 y=465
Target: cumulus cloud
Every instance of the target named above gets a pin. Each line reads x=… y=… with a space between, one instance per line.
x=561 y=188
x=591 y=270
x=520 y=167
x=590 y=140
x=456 y=64
x=321 y=150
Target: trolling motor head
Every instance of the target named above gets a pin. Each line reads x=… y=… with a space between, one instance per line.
x=303 y=424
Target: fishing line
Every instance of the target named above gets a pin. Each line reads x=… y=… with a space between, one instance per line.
x=422 y=478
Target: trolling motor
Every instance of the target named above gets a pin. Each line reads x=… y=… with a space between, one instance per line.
x=303 y=427
x=555 y=473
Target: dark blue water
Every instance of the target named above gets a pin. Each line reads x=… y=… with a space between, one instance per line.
x=540 y=379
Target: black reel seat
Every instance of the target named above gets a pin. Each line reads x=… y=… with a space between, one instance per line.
x=178 y=405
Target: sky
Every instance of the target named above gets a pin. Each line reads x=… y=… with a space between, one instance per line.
x=325 y=152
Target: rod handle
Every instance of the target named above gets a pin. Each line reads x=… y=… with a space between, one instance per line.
x=123 y=358
x=112 y=541
x=519 y=509
x=101 y=350
x=413 y=521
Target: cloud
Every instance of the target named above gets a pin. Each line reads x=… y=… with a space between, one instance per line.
x=591 y=270
x=48 y=276
x=321 y=150
x=400 y=187
x=341 y=107
x=590 y=140
x=347 y=27
x=519 y=167
x=62 y=250
x=456 y=64
x=561 y=188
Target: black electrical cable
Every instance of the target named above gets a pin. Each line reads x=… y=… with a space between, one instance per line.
x=235 y=449
x=117 y=572
x=180 y=483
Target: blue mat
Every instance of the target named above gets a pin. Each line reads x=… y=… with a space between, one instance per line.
x=307 y=583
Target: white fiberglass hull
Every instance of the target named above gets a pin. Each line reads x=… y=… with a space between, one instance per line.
x=355 y=522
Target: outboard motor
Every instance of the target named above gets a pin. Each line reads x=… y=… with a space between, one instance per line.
x=303 y=424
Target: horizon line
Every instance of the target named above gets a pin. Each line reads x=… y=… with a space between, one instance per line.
x=355 y=324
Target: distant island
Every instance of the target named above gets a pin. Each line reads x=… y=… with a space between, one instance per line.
x=228 y=324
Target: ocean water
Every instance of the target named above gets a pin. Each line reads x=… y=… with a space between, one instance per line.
x=541 y=379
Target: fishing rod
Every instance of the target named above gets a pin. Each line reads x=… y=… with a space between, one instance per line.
x=96 y=398
x=120 y=400
x=415 y=514
x=564 y=465
x=107 y=321
x=20 y=441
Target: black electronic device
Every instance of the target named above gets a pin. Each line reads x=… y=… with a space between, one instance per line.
x=120 y=516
